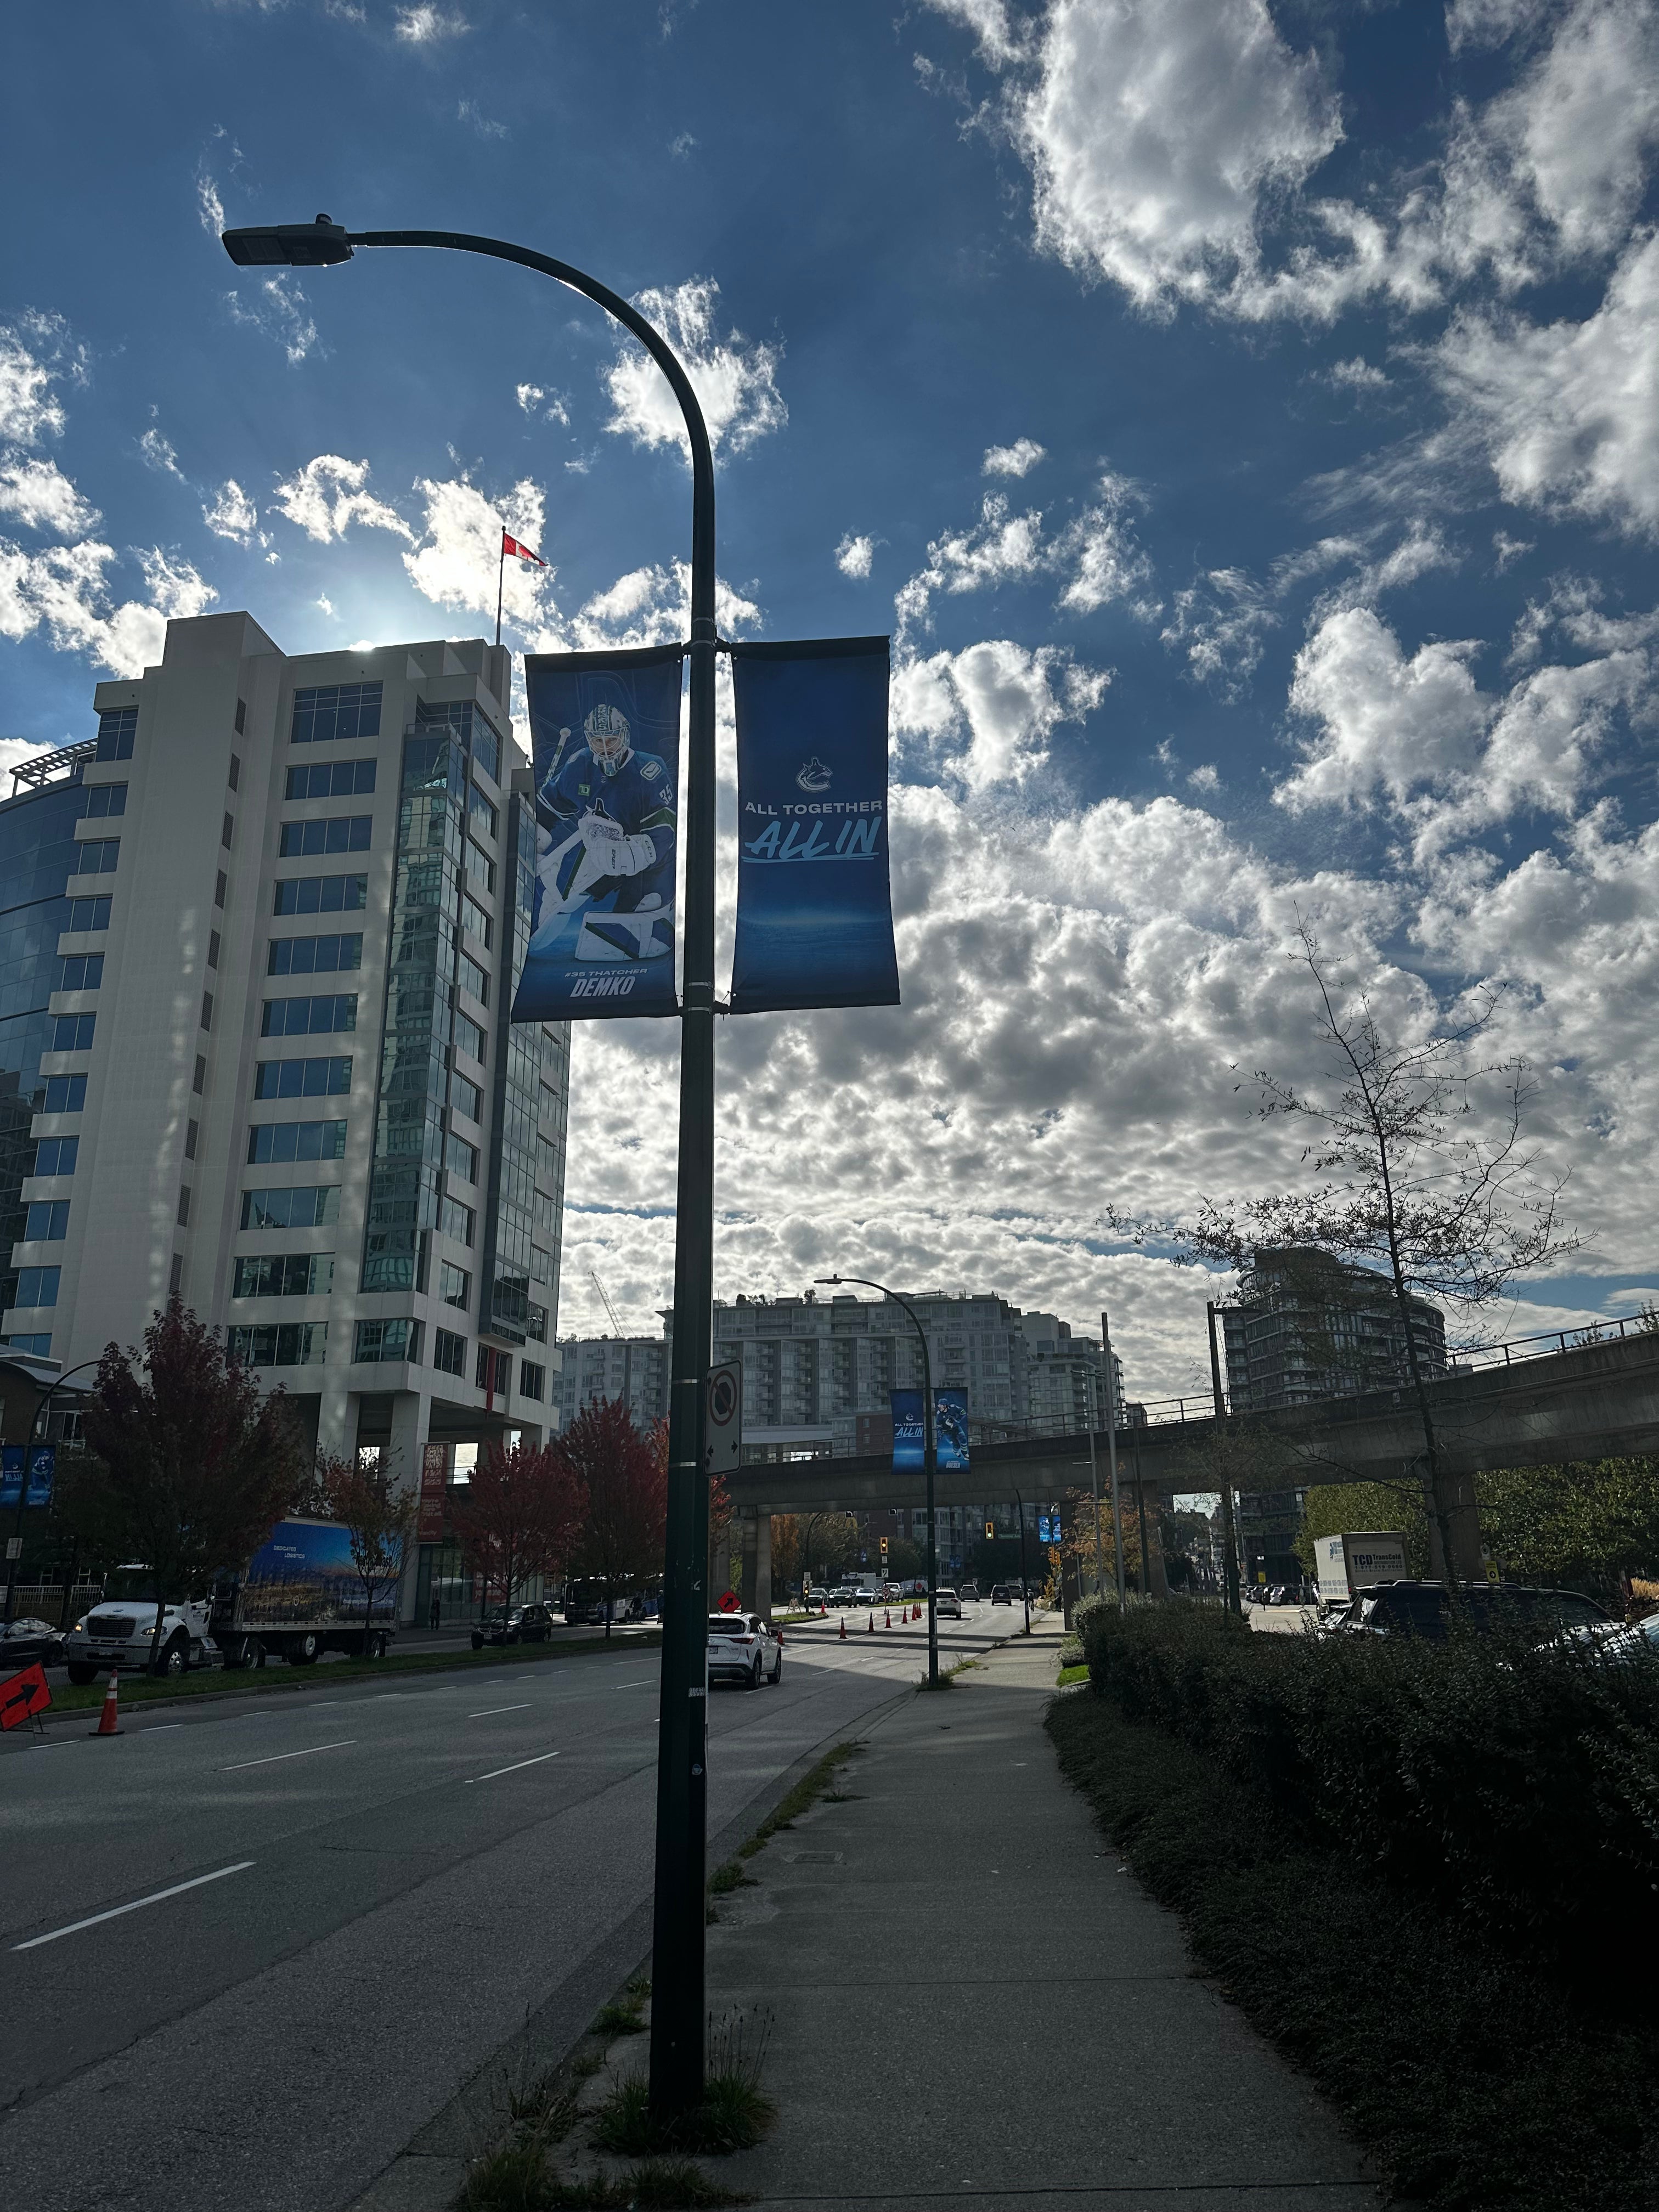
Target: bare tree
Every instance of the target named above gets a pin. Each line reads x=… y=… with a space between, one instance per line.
x=378 y=1515
x=1446 y=1204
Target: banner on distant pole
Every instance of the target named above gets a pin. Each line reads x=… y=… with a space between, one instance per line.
x=950 y=1431
x=815 y=917
x=606 y=739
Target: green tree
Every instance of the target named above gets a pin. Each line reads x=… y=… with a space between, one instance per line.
x=202 y=1464
x=1338 y=1509
x=1594 y=1522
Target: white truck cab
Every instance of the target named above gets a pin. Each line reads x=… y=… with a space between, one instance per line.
x=118 y=1632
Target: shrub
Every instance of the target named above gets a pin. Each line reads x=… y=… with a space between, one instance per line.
x=1517 y=1786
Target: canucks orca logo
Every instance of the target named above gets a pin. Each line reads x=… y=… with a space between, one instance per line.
x=812 y=775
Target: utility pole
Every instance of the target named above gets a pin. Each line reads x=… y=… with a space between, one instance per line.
x=1228 y=1542
x=1094 y=1486
x=1111 y=1451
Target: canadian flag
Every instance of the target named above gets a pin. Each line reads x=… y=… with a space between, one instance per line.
x=523 y=552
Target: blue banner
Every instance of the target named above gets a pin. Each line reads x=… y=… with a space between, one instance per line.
x=11 y=1475
x=950 y=1430
x=605 y=732
x=43 y=1466
x=815 y=916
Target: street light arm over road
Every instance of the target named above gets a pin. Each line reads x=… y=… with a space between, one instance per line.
x=677 y=2012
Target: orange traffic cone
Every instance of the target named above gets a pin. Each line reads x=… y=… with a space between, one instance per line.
x=915 y=1613
x=843 y=1628
x=109 y=1719
x=887 y=1619
x=871 y=1630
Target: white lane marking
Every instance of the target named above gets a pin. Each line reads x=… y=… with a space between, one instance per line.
x=276 y=1757
x=515 y=1768
x=160 y=1728
x=489 y=1710
x=137 y=1906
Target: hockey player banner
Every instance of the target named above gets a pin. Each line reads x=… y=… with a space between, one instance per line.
x=815 y=916
x=950 y=1430
x=606 y=737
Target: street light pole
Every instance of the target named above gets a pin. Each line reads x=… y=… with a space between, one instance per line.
x=928 y=1457
x=677 y=1937
x=1094 y=1485
x=1111 y=1450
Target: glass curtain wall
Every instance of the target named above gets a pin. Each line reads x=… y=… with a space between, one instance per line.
x=512 y=1262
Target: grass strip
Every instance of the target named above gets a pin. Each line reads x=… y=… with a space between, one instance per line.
x=517 y=2178
x=1476 y=2082
x=813 y=1784
x=1070 y=1674
x=260 y=1682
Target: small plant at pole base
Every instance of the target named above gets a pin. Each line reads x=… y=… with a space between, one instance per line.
x=1421 y=1175
x=519 y=1516
x=378 y=1515
x=203 y=1464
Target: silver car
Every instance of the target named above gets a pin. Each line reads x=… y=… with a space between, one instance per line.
x=744 y=1648
x=947 y=1604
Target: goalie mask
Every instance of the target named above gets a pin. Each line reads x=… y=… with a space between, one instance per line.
x=608 y=737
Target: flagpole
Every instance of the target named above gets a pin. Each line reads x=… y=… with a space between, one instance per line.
x=500 y=579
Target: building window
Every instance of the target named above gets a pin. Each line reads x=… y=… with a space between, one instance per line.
x=177 y=1276
x=309 y=1017
x=480 y=869
x=302 y=1079
x=494 y=1371
x=40 y=1346
x=46 y=1221
x=89 y=913
x=466 y=1098
x=207 y=1010
x=228 y=831
x=192 y=1131
x=67 y=1094
x=314 y=956
x=221 y=888
x=470 y=1038
x=73 y=1032
x=272 y=1142
x=460 y=1157
x=536 y=1323
x=448 y=1351
x=241 y=716
x=279 y=1344
x=454 y=1285
x=37 y=1286
x=199 y=1082
x=474 y=979
x=387 y=1340
x=104 y=798
x=284 y=1275
x=56 y=1156
x=474 y=918
x=184 y=1205
x=79 y=971
x=480 y=813
x=458 y=1222
x=116 y=728
x=235 y=771
x=322 y=894
x=336 y=833
x=328 y=712
x=533 y=1380
x=470 y=725
x=330 y=779
x=308 y=1206
x=97 y=856
x=214 y=948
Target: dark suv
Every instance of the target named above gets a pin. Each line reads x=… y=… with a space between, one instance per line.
x=525 y=1624
x=1425 y=1609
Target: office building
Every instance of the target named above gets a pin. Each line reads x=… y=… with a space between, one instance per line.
x=259 y=940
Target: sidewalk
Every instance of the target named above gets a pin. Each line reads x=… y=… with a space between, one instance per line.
x=970 y=2004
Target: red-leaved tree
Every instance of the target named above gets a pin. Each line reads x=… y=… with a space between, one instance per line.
x=519 y=1516
x=378 y=1515
x=624 y=1472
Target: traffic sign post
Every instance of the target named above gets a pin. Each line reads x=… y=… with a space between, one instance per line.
x=722 y=1425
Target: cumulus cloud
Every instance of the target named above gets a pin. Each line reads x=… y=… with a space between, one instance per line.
x=329 y=494
x=41 y=497
x=30 y=409
x=529 y=398
x=735 y=379
x=1095 y=552
x=455 y=560
x=990 y=710
x=276 y=308
x=64 y=593
x=231 y=514
x=1016 y=460
x=1219 y=624
x=158 y=453
x=998 y=36
x=1568 y=413
x=853 y=557
x=426 y=24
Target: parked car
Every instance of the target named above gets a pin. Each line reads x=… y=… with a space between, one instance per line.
x=947 y=1602
x=969 y=1593
x=26 y=1642
x=525 y=1624
x=1424 y=1608
x=1002 y=1594
x=1639 y=1641
x=744 y=1648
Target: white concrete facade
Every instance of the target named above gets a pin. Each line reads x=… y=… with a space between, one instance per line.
x=171 y=1190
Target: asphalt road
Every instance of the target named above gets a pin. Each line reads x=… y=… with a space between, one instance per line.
x=246 y=1950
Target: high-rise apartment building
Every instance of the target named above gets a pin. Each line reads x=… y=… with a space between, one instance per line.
x=1309 y=1326
x=258 y=942
x=633 y=1369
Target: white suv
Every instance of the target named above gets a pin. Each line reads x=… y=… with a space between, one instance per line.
x=744 y=1647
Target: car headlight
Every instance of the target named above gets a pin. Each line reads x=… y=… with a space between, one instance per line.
x=80 y=1627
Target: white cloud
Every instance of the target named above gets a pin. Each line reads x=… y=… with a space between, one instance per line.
x=1156 y=130
x=1016 y=460
x=456 y=558
x=681 y=145
x=1384 y=720
x=1508 y=549
x=735 y=379
x=329 y=494
x=210 y=208
x=29 y=408
x=470 y=113
x=1220 y=624
x=1488 y=23
x=231 y=514
x=426 y=24
x=995 y=29
x=991 y=710
x=64 y=591
x=1099 y=549
x=42 y=497
x=1096 y=553
x=531 y=396
x=159 y=454
x=1205 y=777
x=1357 y=375
x=1569 y=412
x=277 y=309
x=325 y=603
x=853 y=557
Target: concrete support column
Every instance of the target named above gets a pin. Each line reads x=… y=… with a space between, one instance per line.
x=1158 y=1582
x=748 y=1534
x=337 y=1417
x=763 y=1565
x=412 y=1413
x=1465 y=1531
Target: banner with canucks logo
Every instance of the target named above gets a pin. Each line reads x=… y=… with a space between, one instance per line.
x=606 y=739
x=950 y=1430
x=815 y=916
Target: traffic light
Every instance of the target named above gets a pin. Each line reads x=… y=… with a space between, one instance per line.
x=883 y=1551
x=990 y=1528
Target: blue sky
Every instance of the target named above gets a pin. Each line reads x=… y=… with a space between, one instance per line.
x=1243 y=418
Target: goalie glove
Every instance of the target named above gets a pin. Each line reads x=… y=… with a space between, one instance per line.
x=631 y=856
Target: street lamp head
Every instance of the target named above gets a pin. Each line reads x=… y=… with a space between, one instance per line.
x=290 y=244
x=818 y=1281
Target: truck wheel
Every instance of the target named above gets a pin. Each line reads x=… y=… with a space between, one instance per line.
x=382 y=1645
x=253 y=1653
x=477 y=1641
x=302 y=1651
x=174 y=1659
x=80 y=1673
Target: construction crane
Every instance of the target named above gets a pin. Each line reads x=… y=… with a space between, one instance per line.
x=604 y=1300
